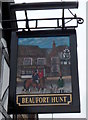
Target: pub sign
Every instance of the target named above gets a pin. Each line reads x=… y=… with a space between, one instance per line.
x=44 y=72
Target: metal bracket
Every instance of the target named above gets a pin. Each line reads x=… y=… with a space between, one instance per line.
x=45 y=6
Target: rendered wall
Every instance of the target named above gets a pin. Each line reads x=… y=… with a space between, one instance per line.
x=4 y=72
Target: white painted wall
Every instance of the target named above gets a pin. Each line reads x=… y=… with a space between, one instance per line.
x=5 y=69
x=5 y=84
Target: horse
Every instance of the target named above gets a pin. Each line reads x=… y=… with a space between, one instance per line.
x=29 y=82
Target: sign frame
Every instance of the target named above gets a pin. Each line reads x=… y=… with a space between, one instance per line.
x=14 y=108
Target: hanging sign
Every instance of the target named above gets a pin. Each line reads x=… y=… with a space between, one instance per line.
x=44 y=72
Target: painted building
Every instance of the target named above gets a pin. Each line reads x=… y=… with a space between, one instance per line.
x=51 y=61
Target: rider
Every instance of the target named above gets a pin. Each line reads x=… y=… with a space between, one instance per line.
x=35 y=78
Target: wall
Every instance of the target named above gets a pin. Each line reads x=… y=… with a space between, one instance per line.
x=4 y=72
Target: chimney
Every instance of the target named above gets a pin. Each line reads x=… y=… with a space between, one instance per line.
x=54 y=45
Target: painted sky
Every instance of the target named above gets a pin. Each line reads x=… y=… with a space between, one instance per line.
x=44 y=42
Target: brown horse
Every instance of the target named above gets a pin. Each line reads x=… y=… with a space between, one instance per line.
x=29 y=82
